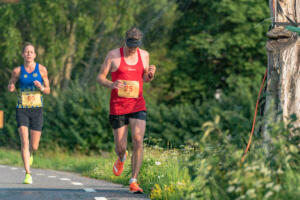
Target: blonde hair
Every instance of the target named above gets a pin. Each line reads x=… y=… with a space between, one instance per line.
x=26 y=45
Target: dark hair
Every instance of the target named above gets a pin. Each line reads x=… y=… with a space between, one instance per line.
x=134 y=33
x=27 y=44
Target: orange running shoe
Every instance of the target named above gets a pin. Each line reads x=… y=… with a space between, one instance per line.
x=119 y=166
x=135 y=188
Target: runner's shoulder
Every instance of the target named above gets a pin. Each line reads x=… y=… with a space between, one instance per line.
x=144 y=52
x=42 y=69
x=115 y=53
x=17 y=70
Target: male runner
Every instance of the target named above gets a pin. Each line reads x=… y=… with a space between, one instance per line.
x=129 y=68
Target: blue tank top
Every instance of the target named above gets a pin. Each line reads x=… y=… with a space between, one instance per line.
x=30 y=96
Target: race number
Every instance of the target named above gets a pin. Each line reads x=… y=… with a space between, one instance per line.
x=130 y=90
x=32 y=98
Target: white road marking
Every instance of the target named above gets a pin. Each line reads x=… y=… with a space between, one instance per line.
x=89 y=190
x=51 y=176
x=39 y=174
x=100 y=198
x=65 y=179
x=13 y=168
x=2 y=166
x=76 y=183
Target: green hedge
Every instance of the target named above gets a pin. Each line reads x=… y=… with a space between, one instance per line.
x=76 y=118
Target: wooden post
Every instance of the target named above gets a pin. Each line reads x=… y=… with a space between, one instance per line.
x=1 y=118
x=283 y=83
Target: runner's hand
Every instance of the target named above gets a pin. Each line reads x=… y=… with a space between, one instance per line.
x=151 y=71
x=117 y=84
x=38 y=85
x=11 y=87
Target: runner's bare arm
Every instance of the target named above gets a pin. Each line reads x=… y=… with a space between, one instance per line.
x=14 y=78
x=44 y=73
x=105 y=69
x=149 y=70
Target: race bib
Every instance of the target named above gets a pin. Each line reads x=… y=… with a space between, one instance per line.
x=130 y=90
x=31 y=98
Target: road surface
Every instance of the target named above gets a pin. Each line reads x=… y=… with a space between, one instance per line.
x=55 y=185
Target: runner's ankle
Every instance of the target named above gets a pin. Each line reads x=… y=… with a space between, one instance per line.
x=132 y=180
x=123 y=158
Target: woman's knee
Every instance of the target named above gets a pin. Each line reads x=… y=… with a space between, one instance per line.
x=35 y=147
x=25 y=144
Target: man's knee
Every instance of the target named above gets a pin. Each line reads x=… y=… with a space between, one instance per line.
x=138 y=142
x=121 y=149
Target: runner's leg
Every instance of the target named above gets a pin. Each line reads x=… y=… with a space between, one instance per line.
x=138 y=128
x=120 y=136
x=36 y=123
x=35 y=137
x=23 y=132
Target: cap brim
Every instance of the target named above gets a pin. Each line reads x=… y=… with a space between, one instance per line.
x=133 y=43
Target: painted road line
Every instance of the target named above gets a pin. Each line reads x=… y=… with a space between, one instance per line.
x=39 y=174
x=51 y=176
x=89 y=190
x=76 y=183
x=65 y=179
x=13 y=168
x=2 y=166
x=100 y=198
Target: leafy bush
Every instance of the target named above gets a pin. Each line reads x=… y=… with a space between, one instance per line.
x=77 y=118
x=217 y=172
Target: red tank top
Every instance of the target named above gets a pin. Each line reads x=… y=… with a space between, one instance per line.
x=130 y=98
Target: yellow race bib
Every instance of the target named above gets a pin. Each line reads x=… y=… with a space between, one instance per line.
x=130 y=90
x=31 y=98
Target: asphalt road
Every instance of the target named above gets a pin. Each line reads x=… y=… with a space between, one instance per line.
x=55 y=185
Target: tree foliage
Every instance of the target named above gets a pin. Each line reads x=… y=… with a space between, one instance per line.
x=73 y=37
x=199 y=47
x=216 y=44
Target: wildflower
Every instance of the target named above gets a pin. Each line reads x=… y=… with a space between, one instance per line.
x=251 y=192
x=158 y=163
x=270 y=184
x=180 y=183
x=270 y=193
x=279 y=171
x=230 y=189
x=238 y=189
x=277 y=188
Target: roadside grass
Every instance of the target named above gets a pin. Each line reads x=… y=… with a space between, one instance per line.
x=161 y=173
x=209 y=169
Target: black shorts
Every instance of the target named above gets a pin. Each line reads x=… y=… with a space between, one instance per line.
x=117 y=121
x=30 y=117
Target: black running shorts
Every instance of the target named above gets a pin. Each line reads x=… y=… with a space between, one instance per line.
x=30 y=117
x=117 y=121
